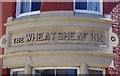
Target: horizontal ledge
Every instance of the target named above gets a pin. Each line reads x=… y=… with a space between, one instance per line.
x=56 y=65
x=59 y=18
x=59 y=53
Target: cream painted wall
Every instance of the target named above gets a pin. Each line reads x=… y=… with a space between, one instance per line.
x=57 y=54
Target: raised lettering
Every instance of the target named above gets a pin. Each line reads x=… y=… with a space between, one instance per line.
x=97 y=37
x=39 y=37
x=29 y=37
x=60 y=36
x=47 y=36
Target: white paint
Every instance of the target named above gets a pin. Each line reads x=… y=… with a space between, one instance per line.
x=28 y=14
x=98 y=69
x=18 y=9
x=18 y=69
x=89 y=11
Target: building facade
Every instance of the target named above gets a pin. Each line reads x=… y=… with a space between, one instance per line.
x=56 y=38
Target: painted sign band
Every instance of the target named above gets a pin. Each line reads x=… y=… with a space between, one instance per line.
x=76 y=37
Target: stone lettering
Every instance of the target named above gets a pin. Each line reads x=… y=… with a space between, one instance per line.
x=18 y=40
x=47 y=37
x=97 y=37
x=82 y=36
x=29 y=37
x=60 y=36
x=53 y=36
x=39 y=37
x=56 y=37
x=72 y=36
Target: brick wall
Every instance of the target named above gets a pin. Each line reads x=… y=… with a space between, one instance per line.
x=56 y=6
x=108 y=6
x=8 y=10
x=116 y=29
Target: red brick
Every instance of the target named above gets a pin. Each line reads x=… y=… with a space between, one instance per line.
x=56 y=6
